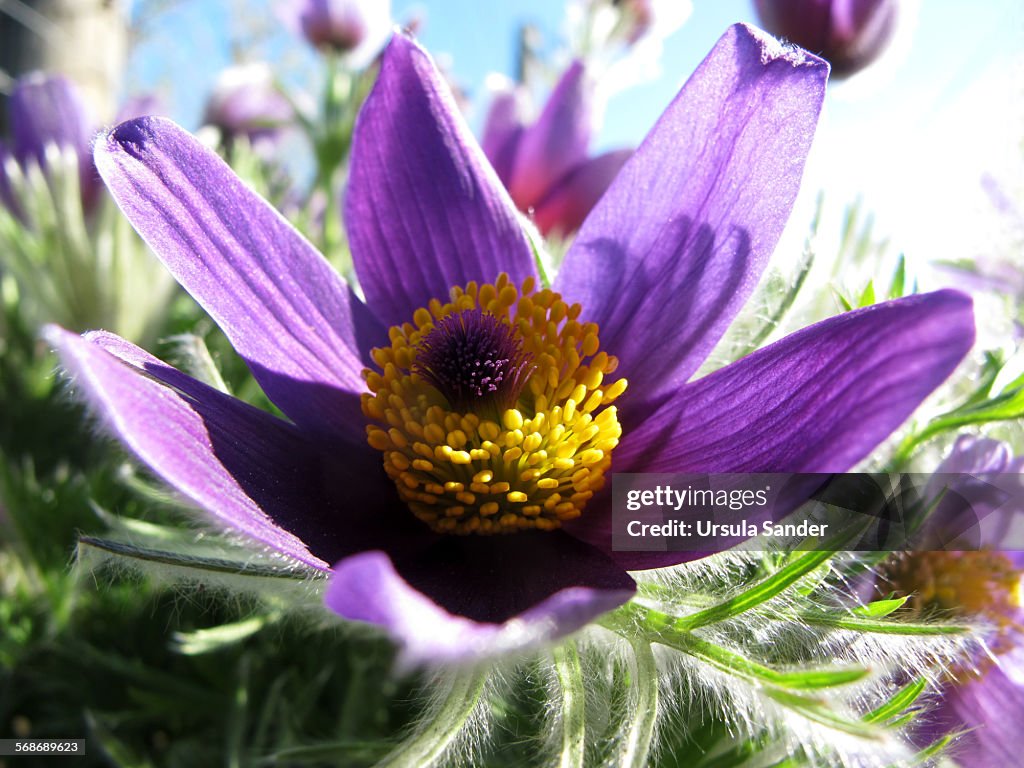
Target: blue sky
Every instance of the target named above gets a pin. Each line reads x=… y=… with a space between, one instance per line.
x=913 y=138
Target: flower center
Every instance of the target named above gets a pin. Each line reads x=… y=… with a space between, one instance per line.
x=492 y=411
x=474 y=360
x=980 y=583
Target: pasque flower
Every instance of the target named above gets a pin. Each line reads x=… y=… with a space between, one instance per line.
x=986 y=699
x=245 y=102
x=356 y=28
x=849 y=34
x=47 y=112
x=545 y=165
x=487 y=397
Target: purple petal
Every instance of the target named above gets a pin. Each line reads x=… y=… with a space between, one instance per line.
x=991 y=706
x=558 y=140
x=819 y=400
x=502 y=130
x=285 y=310
x=48 y=110
x=478 y=595
x=254 y=473
x=424 y=209
x=679 y=241
x=565 y=207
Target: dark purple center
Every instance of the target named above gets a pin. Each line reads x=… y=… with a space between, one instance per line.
x=475 y=360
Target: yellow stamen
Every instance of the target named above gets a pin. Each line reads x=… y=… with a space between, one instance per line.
x=533 y=465
x=981 y=584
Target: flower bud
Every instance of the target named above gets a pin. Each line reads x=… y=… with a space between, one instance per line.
x=849 y=34
x=245 y=102
x=354 y=27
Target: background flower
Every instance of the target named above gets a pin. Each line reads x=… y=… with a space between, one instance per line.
x=545 y=165
x=849 y=34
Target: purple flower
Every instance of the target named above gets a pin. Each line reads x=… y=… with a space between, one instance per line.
x=655 y=276
x=986 y=698
x=357 y=28
x=849 y=34
x=245 y=102
x=978 y=491
x=545 y=166
x=988 y=703
x=48 y=111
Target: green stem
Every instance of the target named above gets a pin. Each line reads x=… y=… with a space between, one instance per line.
x=643 y=706
x=657 y=627
x=859 y=624
x=775 y=584
x=573 y=704
x=438 y=729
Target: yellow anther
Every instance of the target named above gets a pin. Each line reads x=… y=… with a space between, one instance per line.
x=434 y=433
x=513 y=419
x=531 y=465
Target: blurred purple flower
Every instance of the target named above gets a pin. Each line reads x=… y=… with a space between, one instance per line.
x=245 y=102
x=545 y=166
x=979 y=491
x=849 y=34
x=987 y=699
x=357 y=28
x=48 y=111
x=661 y=266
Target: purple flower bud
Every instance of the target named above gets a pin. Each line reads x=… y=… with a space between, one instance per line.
x=245 y=102
x=355 y=27
x=849 y=34
x=46 y=111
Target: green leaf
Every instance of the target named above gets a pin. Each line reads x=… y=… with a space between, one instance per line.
x=880 y=608
x=736 y=664
x=902 y=699
x=1006 y=406
x=252 y=567
x=899 y=278
x=867 y=296
x=818 y=711
x=876 y=626
x=937 y=747
x=844 y=303
x=211 y=639
x=765 y=590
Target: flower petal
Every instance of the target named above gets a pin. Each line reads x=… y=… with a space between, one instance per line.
x=557 y=141
x=48 y=110
x=253 y=472
x=819 y=400
x=475 y=596
x=677 y=244
x=424 y=209
x=296 y=323
x=502 y=130
x=565 y=207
